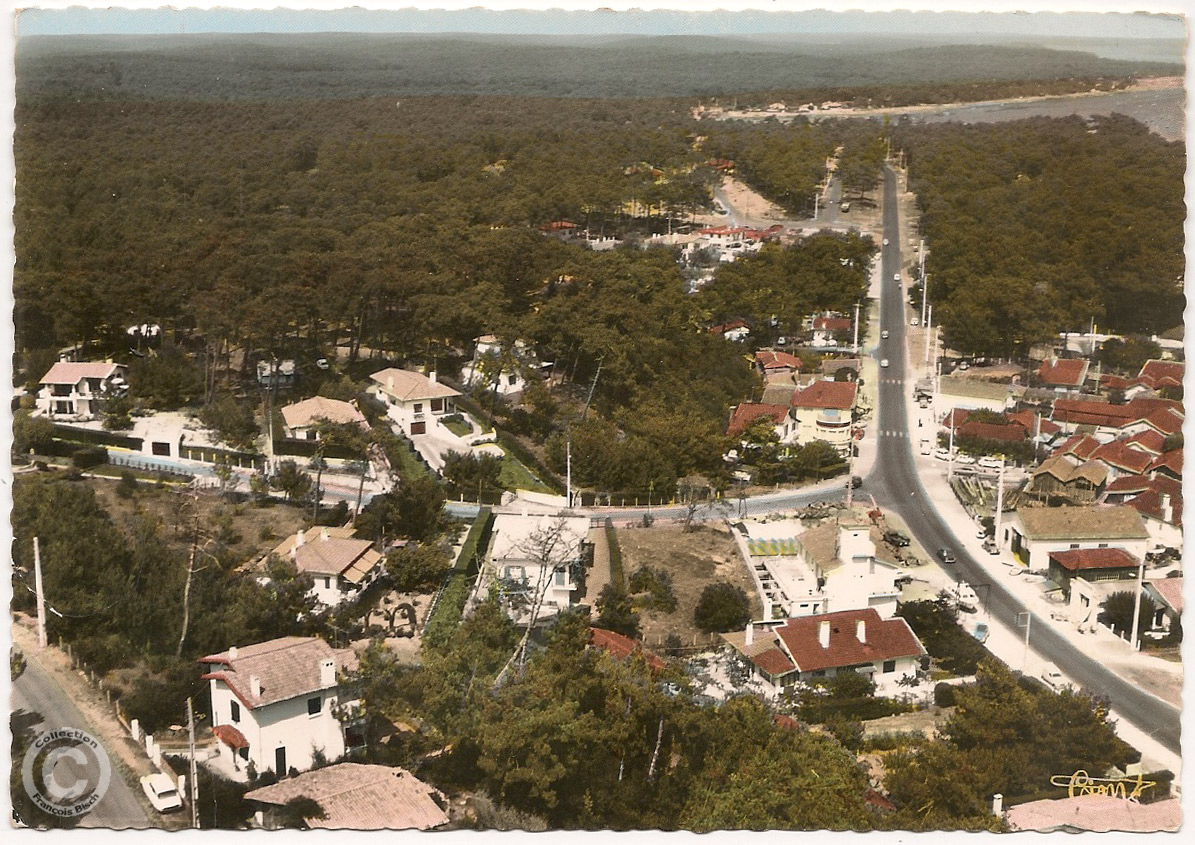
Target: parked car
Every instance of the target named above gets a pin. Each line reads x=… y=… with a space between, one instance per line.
x=162 y=792
x=965 y=460
x=914 y=322
x=988 y=462
x=896 y=277
x=883 y=362
x=1054 y=679
x=947 y=555
x=896 y=538
x=991 y=546
x=942 y=454
x=856 y=482
x=845 y=207
x=885 y=242
x=965 y=597
x=884 y=334
x=902 y=578
x=981 y=632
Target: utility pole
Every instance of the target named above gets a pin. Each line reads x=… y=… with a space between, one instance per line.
x=194 y=779
x=999 y=502
x=855 y=341
x=592 y=388
x=1133 y=636
x=41 y=595
x=816 y=199
x=568 y=472
x=950 y=461
x=928 y=333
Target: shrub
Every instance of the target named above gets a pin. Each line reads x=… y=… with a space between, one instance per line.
x=722 y=607
x=944 y=695
x=658 y=584
x=126 y=488
x=89 y=456
x=615 y=613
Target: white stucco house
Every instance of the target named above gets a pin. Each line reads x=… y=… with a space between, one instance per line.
x=823 y=411
x=74 y=390
x=413 y=400
x=499 y=366
x=276 y=704
x=339 y=565
x=1033 y=532
x=303 y=418
x=536 y=557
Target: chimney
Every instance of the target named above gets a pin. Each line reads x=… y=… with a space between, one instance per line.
x=431 y=376
x=255 y=686
x=750 y=633
x=299 y=538
x=998 y=804
x=861 y=630
x=1167 y=508
x=232 y=652
x=823 y=633
x=327 y=673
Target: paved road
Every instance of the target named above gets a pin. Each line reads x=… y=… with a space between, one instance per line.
x=39 y=702
x=897 y=486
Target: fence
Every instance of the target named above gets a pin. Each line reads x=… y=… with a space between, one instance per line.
x=145 y=742
x=208 y=455
x=119 y=460
x=97 y=437
x=307 y=448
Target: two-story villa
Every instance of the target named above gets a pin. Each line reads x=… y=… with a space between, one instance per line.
x=273 y=704
x=412 y=399
x=74 y=389
x=823 y=411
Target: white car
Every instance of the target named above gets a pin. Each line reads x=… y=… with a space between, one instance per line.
x=883 y=362
x=942 y=454
x=885 y=242
x=965 y=596
x=988 y=462
x=896 y=277
x=884 y=334
x=162 y=792
x=914 y=322
x=1054 y=679
x=965 y=460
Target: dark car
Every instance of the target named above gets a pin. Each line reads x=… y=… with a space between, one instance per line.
x=947 y=555
x=856 y=482
x=895 y=538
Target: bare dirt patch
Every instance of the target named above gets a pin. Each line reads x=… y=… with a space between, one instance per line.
x=694 y=560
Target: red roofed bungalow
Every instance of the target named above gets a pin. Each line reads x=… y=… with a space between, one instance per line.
x=1169 y=464
x=832 y=324
x=1120 y=456
x=1157 y=374
x=851 y=640
x=1161 y=509
x=1080 y=445
x=956 y=418
x=1091 y=565
x=1033 y=423
x=748 y=412
x=776 y=362
x=1149 y=441
x=621 y=647
x=1063 y=372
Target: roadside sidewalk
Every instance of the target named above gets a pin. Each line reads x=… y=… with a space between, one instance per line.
x=1155 y=675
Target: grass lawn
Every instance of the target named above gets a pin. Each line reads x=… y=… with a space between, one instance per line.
x=515 y=476
x=458 y=427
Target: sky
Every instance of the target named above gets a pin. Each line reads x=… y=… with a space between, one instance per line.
x=55 y=17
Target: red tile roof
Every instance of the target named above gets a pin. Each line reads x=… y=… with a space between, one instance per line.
x=832 y=324
x=1120 y=455
x=1149 y=503
x=1150 y=441
x=1032 y=422
x=1077 y=560
x=1157 y=373
x=72 y=372
x=725 y=327
x=1129 y=484
x=826 y=394
x=558 y=225
x=886 y=639
x=773 y=661
x=1090 y=412
x=770 y=360
x=1114 y=382
x=956 y=418
x=621 y=647
x=1166 y=421
x=993 y=431
x=1170 y=590
x=1063 y=372
x=748 y=412
x=1080 y=445
x=1171 y=461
